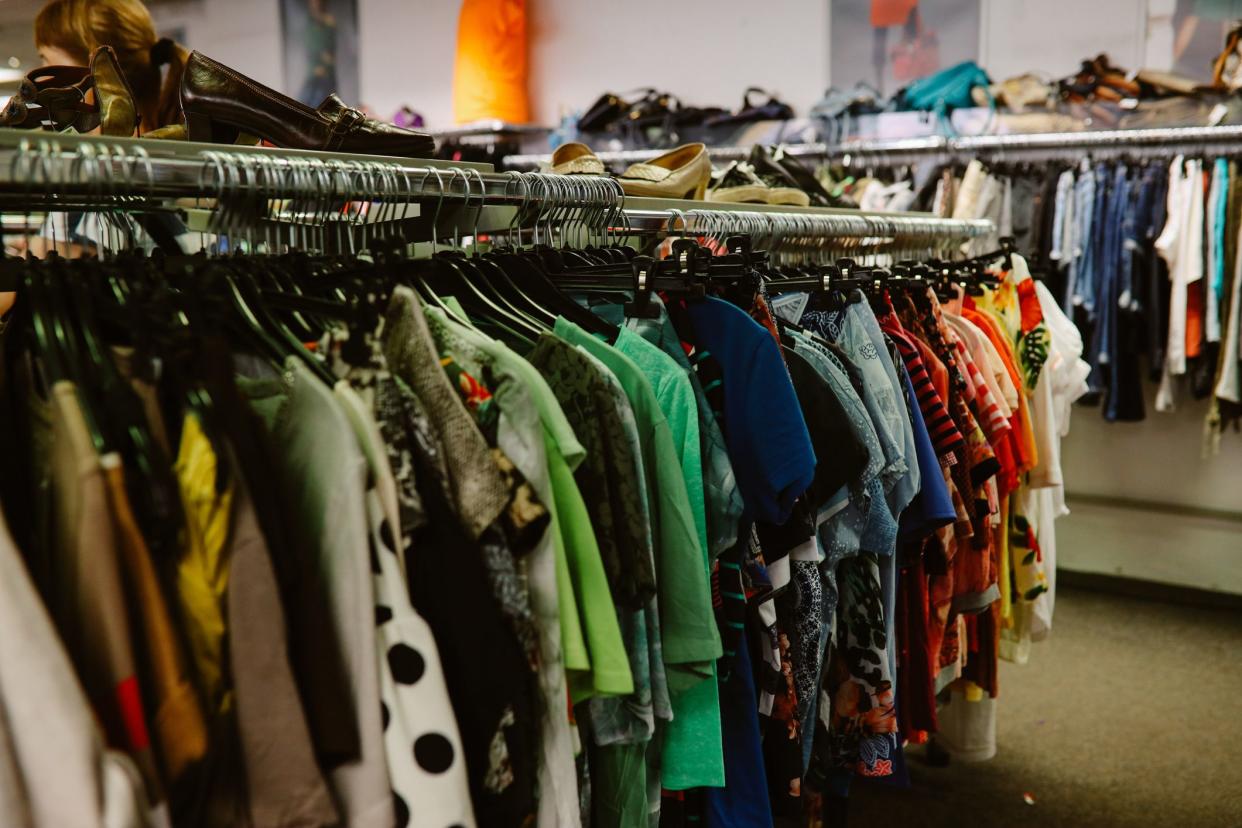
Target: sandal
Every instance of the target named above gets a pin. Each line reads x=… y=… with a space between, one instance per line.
x=59 y=99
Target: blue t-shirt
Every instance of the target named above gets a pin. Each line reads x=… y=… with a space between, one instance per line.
x=767 y=437
x=743 y=801
x=932 y=507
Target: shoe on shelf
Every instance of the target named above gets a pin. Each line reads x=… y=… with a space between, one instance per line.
x=576 y=159
x=220 y=103
x=738 y=184
x=75 y=98
x=806 y=180
x=785 y=189
x=681 y=173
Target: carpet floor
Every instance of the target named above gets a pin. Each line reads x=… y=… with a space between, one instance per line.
x=1130 y=714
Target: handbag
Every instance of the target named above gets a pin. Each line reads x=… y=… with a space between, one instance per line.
x=944 y=91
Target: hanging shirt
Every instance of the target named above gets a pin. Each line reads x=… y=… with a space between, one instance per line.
x=1218 y=203
x=427 y=790
x=1080 y=236
x=1228 y=384
x=1062 y=218
x=86 y=598
x=722 y=500
x=582 y=583
x=691 y=641
x=321 y=474
x=1181 y=246
x=767 y=437
x=494 y=694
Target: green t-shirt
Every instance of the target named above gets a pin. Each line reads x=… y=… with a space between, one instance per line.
x=596 y=661
x=722 y=502
x=692 y=754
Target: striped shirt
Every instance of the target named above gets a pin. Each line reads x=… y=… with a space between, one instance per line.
x=945 y=436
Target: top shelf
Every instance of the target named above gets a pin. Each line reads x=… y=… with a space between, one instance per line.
x=1165 y=139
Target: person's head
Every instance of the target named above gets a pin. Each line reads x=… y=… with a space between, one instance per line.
x=69 y=31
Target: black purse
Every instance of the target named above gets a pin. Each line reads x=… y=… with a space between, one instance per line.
x=605 y=112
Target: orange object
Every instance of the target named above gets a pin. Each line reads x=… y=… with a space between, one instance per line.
x=1195 y=317
x=886 y=13
x=489 y=78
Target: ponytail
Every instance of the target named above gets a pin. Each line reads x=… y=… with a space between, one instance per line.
x=167 y=109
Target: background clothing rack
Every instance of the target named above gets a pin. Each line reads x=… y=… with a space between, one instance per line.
x=1027 y=146
x=39 y=173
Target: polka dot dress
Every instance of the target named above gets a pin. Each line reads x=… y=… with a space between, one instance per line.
x=425 y=760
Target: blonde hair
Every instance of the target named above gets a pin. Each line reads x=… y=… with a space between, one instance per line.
x=79 y=27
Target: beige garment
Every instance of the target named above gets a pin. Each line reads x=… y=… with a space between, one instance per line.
x=67 y=777
x=178 y=725
x=284 y=785
x=14 y=805
x=478 y=490
x=969 y=191
x=86 y=596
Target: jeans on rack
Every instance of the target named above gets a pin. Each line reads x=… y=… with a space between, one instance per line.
x=1080 y=236
x=1116 y=200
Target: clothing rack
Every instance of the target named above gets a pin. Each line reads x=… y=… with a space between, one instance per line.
x=63 y=172
x=1162 y=141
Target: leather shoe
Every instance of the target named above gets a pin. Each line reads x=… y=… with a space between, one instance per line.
x=219 y=103
x=680 y=173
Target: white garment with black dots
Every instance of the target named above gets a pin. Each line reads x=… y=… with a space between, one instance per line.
x=426 y=766
x=425 y=760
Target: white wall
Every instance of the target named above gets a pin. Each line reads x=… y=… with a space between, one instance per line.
x=1159 y=461
x=406 y=56
x=244 y=34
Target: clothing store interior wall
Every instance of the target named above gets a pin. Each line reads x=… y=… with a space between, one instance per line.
x=620 y=413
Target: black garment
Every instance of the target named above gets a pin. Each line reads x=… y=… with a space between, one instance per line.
x=490 y=684
x=609 y=486
x=1158 y=287
x=840 y=456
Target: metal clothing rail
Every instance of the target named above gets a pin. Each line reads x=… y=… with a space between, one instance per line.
x=46 y=172
x=1028 y=146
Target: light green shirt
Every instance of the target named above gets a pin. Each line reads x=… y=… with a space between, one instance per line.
x=693 y=754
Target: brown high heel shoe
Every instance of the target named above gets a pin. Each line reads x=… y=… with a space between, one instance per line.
x=220 y=103
x=118 y=115
x=59 y=99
